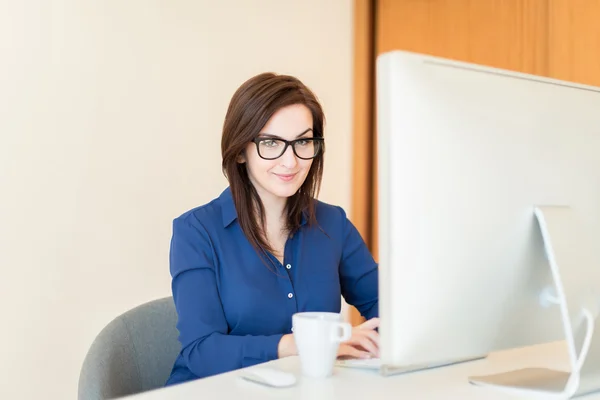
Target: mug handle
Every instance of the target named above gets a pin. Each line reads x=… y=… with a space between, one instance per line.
x=346 y=332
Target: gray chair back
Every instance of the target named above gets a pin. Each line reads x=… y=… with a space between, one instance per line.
x=134 y=353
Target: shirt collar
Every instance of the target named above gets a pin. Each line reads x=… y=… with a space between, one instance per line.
x=228 y=210
x=229 y=213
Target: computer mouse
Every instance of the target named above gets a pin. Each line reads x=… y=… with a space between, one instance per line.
x=269 y=376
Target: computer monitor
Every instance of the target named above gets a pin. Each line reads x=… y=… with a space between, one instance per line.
x=489 y=217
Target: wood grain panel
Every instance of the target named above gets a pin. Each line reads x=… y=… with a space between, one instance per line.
x=362 y=115
x=574 y=40
x=509 y=34
x=362 y=148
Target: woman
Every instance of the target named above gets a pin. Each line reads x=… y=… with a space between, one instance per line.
x=265 y=249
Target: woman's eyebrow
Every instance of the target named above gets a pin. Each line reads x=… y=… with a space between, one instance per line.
x=304 y=133
x=269 y=135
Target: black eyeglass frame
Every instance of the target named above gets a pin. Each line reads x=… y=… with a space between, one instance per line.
x=288 y=143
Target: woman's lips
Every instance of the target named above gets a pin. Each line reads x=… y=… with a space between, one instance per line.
x=286 y=177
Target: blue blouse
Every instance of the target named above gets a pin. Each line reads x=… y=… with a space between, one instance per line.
x=233 y=310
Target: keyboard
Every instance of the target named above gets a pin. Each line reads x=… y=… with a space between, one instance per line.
x=375 y=364
x=370 y=363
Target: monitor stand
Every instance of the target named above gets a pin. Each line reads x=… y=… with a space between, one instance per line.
x=560 y=234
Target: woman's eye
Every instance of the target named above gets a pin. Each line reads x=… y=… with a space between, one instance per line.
x=302 y=142
x=269 y=143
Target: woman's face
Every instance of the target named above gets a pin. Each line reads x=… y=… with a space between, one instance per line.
x=283 y=176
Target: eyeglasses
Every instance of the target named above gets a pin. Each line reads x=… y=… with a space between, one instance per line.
x=272 y=148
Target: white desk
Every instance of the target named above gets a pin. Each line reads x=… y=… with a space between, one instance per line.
x=442 y=383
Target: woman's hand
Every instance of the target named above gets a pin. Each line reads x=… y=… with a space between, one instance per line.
x=364 y=342
x=287 y=346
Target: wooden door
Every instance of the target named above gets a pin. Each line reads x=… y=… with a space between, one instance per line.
x=574 y=41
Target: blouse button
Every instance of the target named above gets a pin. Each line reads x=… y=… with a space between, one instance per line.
x=288 y=266
x=290 y=295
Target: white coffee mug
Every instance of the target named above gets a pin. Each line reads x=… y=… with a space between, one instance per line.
x=318 y=336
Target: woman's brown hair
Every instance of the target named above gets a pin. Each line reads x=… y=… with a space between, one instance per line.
x=251 y=106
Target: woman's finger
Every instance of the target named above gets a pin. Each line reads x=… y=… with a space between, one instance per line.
x=355 y=340
x=373 y=323
x=374 y=336
x=353 y=352
x=358 y=334
x=366 y=343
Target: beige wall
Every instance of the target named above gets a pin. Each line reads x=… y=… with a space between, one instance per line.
x=110 y=118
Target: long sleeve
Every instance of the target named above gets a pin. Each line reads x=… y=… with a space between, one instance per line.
x=207 y=348
x=359 y=272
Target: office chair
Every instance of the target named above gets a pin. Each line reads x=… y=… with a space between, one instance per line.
x=134 y=353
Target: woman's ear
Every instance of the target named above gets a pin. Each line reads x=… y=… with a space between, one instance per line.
x=241 y=159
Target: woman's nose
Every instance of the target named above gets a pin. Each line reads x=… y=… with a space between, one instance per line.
x=288 y=159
